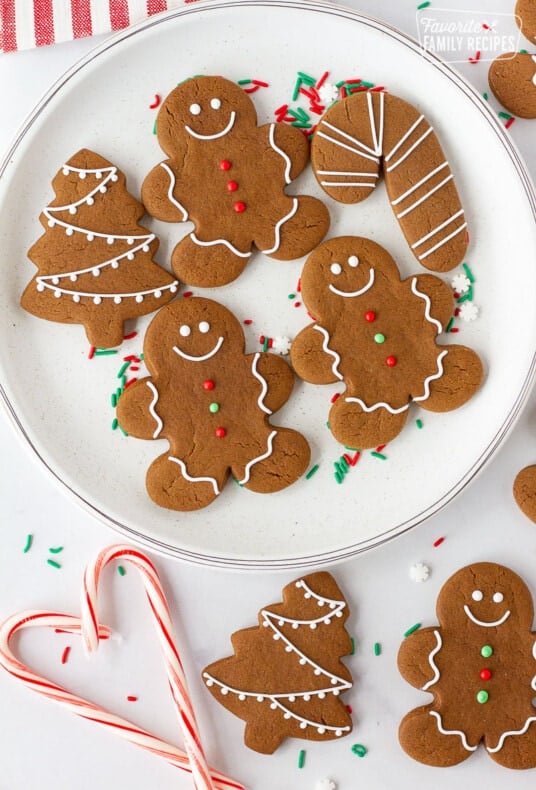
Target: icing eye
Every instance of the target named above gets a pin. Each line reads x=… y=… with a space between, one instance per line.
x=335 y=268
x=204 y=327
x=498 y=597
x=477 y=595
x=195 y=109
x=215 y=104
x=185 y=330
x=353 y=261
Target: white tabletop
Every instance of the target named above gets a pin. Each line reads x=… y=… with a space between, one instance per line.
x=42 y=746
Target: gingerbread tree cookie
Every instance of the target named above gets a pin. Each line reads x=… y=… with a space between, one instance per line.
x=95 y=261
x=378 y=335
x=212 y=402
x=285 y=676
x=228 y=176
x=480 y=666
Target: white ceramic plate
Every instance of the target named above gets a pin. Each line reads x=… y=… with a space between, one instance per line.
x=61 y=401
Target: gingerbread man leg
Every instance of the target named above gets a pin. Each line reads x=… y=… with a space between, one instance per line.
x=354 y=426
x=462 y=375
x=286 y=458
x=516 y=751
x=172 y=484
x=208 y=263
x=298 y=232
x=423 y=737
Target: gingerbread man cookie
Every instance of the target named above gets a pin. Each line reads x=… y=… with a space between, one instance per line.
x=212 y=403
x=480 y=666
x=377 y=334
x=512 y=76
x=367 y=134
x=525 y=491
x=228 y=176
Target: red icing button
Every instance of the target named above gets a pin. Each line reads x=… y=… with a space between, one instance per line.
x=370 y=316
x=225 y=164
x=221 y=432
x=390 y=361
x=208 y=385
x=232 y=186
x=485 y=674
x=239 y=206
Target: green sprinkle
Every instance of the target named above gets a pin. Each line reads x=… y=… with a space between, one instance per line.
x=352 y=652
x=265 y=344
x=418 y=423
x=115 y=424
x=522 y=51
x=449 y=325
x=379 y=338
x=113 y=399
x=214 y=408
x=505 y=115
x=482 y=697
x=364 y=84
x=154 y=127
x=119 y=392
x=237 y=482
x=123 y=381
x=338 y=477
x=244 y=82
x=423 y=5
x=339 y=84
x=291 y=296
x=27 y=547
x=359 y=749
x=56 y=550
x=466 y=297
x=306 y=78
x=485 y=96
x=296 y=91
x=122 y=369
x=486 y=651
x=381 y=456
x=54 y=563
x=377 y=648
x=123 y=431
x=412 y=629
x=301 y=758
x=353 y=449
x=468 y=272
x=121 y=571
x=312 y=472
x=141 y=357
x=104 y=352
x=328 y=426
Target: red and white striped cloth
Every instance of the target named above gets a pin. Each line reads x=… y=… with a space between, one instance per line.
x=35 y=23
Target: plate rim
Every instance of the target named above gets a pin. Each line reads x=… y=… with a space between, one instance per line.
x=346 y=552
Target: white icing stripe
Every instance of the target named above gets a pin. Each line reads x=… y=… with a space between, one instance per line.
x=52 y=221
x=425 y=197
x=347 y=184
x=42 y=285
x=101 y=187
x=377 y=136
x=278 y=150
x=219 y=241
x=437 y=229
x=491 y=624
x=347 y=147
x=351 y=294
x=281 y=222
x=511 y=732
x=171 y=188
x=264 y=384
x=444 y=241
x=431 y=661
x=159 y=423
x=194 y=479
x=249 y=464
x=410 y=150
x=345 y=173
x=202 y=358
x=412 y=189
x=354 y=140
x=403 y=139
x=98 y=266
x=383 y=405
x=427 y=307
x=328 y=350
x=443 y=731
x=223 y=132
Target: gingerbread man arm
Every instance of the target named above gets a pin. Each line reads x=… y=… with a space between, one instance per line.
x=137 y=410
x=293 y=144
x=158 y=194
x=438 y=302
x=461 y=377
x=275 y=377
x=312 y=358
x=416 y=657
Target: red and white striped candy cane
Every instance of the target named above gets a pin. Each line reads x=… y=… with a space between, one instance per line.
x=193 y=760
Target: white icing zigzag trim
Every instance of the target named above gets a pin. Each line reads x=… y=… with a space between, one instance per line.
x=111 y=237
x=431 y=661
x=219 y=241
x=284 y=219
x=494 y=623
x=428 y=305
x=278 y=150
x=249 y=464
x=333 y=602
x=98 y=297
x=194 y=479
x=264 y=384
x=88 y=199
x=354 y=293
x=504 y=735
x=328 y=350
x=452 y=732
x=159 y=423
x=202 y=358
x=171 y=197
x=225 y=131
x=113 y=262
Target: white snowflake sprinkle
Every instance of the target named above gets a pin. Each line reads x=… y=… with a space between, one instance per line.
x=281 y=345
x=325 y=784
x=419 y=572
x=328 y=93
x=461 y=283
x=468 y=311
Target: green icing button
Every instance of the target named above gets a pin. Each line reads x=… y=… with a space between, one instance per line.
x=482 y=697
x=486 y=651
x=214 y=408
x=379 y=338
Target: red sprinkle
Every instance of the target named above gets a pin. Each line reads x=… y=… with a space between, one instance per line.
x=252 y=89
x=91 y=352
x=508 y=123
x=370 y=316
x=297 y=304
x=130 y=381
x=298 y=287
x=380 y=448
x=65 y=655
x=322 y=80
x=221 y=433
x=335 y=397
x=356 y=458
x=485 y=674
x=239 y=206
x=208 y=384
x=225 y=164
x=186 y=294
x=454 y=329
x=131 y=698
x=261 y=84
x=349 y=709
x=130 y=336
x=476 y=58
x=438 y=542
x=132 y=358
x=156 y=102
x=248 y=321
x=232 y=186
x=390 y=361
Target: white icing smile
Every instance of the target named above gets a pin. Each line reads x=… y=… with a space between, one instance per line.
x=215 y=136
x=354 y=293
x=201 y=358
x=475 y=620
